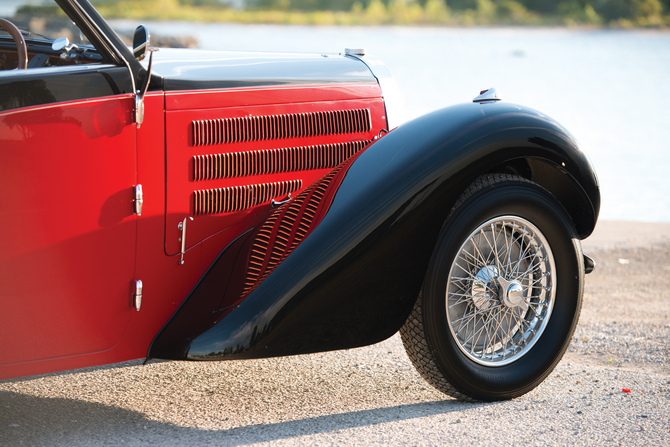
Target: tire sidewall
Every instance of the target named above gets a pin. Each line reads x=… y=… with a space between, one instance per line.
x=536 y=205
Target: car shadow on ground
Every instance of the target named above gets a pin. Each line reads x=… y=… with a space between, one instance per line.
x=30 y=420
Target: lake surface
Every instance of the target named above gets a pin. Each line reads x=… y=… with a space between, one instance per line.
x=610 y=88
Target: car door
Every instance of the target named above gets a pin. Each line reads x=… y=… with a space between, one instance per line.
x=67 y=176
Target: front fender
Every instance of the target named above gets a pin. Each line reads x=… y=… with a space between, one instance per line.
x=368 y=231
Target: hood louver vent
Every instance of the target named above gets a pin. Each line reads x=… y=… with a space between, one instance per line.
x=237 y=198
x=284 y=230
x=273 y=161
x=274 y=127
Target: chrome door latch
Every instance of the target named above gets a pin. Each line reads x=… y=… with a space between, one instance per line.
x=182 y=228
x=137 y=298
x=274 y=203
x=139 y=200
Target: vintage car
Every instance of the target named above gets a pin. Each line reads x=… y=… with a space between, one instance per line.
x=194 y=205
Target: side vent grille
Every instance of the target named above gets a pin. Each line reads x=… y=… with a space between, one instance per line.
x=275 y=127
x=237 y=198
x=239 y=164
x=284 y=230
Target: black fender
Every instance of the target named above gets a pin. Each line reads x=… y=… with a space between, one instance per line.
x=342 y=264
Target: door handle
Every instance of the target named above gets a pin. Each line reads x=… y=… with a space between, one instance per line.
x=182 y=228
x=274 y=203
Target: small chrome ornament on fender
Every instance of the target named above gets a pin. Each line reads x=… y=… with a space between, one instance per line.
x=137 y=298
x=490 y=94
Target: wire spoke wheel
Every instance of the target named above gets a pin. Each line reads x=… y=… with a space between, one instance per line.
x=502 y=294
x=500 y=291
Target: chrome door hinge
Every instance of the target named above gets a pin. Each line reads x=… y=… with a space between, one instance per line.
x=139 y=200
x=139 y=94
x=137 y=297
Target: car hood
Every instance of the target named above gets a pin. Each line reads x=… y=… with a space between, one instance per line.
x=183 y=69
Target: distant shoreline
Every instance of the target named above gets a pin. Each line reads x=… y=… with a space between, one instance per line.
x=419 y=13
x=375 y=13
x=315 y=19
x=582 y=28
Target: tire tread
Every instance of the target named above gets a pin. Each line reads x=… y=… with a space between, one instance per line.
x=412 y=333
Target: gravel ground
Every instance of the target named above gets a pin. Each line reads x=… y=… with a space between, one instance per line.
x=372 y=395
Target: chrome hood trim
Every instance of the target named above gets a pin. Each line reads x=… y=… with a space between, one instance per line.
x=393 y=99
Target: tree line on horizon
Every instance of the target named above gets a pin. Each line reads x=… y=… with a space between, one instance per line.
x=623 y=13
x=611 y=13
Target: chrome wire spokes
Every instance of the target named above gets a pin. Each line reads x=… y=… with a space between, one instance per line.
x=501 y=290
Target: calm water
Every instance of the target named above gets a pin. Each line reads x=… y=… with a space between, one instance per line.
x=610 y=88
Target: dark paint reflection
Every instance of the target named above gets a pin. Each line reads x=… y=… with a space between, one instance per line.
x=13 y=96
x=57 y=84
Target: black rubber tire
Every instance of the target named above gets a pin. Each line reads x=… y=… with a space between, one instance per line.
x=426 y=334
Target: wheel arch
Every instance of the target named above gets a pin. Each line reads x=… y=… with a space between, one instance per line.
x=467 y=141
x=559 y=183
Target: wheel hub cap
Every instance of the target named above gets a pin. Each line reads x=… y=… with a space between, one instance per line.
x=511 y=294
x=489 y=287
x=500 y=291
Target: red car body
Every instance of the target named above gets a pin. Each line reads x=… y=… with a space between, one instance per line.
x=237 y=205
x=76 y=278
